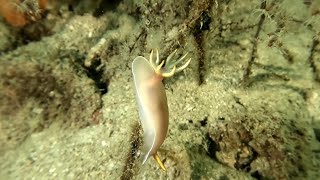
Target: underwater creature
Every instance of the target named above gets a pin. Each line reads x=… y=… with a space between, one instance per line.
x=152 y=99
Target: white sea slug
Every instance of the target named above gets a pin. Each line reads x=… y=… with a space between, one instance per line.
x=152 y=99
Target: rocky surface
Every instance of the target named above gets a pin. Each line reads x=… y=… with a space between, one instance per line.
x=247 y=107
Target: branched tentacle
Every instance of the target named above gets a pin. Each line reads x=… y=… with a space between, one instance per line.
x=183 y=66
x=168 y=67
x=170 y=57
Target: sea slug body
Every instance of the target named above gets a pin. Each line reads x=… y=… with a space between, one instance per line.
x=152 y=100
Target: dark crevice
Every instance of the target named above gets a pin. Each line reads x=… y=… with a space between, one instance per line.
x=70 y=8
x=221 y=118
x=204 y=122
x=136 y=14
x=257 y=175
x=95 y=72
x=224 y=177
x=104 y=6
x=244 y=164
x=317 y=133
x=212 y=146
